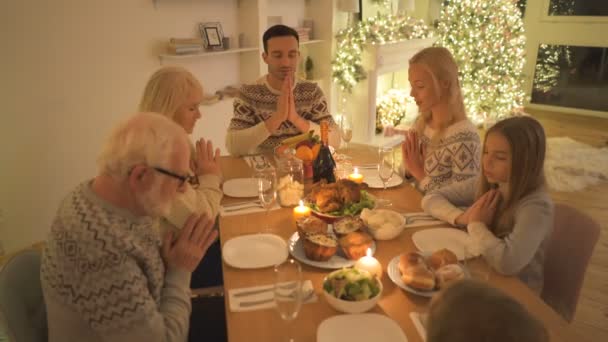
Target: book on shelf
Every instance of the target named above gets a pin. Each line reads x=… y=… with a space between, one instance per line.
x=184 y=49
x=186 y=41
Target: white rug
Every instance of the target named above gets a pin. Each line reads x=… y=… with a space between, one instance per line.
x=572 y=166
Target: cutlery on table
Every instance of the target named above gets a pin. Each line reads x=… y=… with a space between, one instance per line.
x=305 y=296
x=266 y=289
x=246 y=206
x=238 y=204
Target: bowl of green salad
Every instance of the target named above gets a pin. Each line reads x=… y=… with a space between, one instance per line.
x=351 y=290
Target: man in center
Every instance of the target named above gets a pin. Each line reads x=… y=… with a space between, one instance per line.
x=277 y=106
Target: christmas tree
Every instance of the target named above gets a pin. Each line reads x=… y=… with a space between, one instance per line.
x=487 y=40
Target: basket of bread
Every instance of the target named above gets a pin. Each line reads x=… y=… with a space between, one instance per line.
x=347 y=238
x=351 y=290
x=425 y=274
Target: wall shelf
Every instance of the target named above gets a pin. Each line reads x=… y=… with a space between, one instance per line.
x=206 y=53
x=313 y=41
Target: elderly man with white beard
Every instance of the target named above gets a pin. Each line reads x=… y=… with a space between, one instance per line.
x=107 y=274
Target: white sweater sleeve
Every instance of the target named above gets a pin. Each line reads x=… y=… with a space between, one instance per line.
x=445 y=203
x=245 y=141
x=509 y=255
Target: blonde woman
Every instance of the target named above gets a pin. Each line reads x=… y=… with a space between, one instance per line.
x=511 y=213
x=443 y=146
x=474 y=311
x=174 y=92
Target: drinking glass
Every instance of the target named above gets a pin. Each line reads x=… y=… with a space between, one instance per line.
x=346 y=130
x=475 y=266
x=267 y=189
x=386 y=168
x=288 y=292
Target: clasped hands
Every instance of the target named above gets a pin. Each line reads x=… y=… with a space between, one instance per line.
x=192 y=242
x=286 y=109
x=483 y=210
x=413 y=154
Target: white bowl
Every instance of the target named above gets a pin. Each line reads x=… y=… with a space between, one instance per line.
x=352 y=307
x=385 y=232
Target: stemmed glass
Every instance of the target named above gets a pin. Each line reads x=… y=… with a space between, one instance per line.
x=288 y=292
x=267 y=189
x=346 y=129
x=386 y=168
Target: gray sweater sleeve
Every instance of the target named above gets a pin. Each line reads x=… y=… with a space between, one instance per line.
x=445 y=203
x=533 y=222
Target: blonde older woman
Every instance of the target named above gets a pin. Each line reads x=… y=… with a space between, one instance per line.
x=174 y=92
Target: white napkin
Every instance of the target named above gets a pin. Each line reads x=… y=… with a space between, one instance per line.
x=247 y=209
x=266 y=296
x=421 y=219
x=419 y=320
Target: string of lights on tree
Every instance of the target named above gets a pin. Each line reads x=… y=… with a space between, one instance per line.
x=487 y=40
x=347 y=68
x=392 y=109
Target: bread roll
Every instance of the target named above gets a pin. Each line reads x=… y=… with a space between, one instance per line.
x=448 y=274
x=441 y=258
x=419 y=277
x=409 y=260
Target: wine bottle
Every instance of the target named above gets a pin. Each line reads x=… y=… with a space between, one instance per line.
x=323 y=167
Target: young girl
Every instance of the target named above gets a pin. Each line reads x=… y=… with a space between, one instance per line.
x=443 y=146
x=176 y=93
x=510 y=214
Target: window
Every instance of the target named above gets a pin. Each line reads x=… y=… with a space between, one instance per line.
x=578 y=8
x=571 y=76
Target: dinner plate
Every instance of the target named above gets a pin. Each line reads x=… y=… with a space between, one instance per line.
x=434 y=239
x=254 y=251
x=296 y=249
x=360 y=328
x=395 y=275
x=241 y=187
x=370 y=176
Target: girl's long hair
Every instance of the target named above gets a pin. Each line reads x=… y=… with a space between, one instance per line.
x=526 y=137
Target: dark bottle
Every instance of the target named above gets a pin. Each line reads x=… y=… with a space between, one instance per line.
x=323 y=167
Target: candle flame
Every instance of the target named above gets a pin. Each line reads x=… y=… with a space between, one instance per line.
x=356 y=170
x=301 y=203
x=369 y=252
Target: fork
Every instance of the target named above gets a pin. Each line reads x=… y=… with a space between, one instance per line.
x=247 y=206
x=305 y=296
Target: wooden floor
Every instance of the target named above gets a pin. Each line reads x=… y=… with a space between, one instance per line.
x=591 y=320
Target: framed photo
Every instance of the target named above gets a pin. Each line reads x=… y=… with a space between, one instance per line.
x=212 y=35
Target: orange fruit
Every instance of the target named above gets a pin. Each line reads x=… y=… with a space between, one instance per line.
x=315 y=151
x=304 y=152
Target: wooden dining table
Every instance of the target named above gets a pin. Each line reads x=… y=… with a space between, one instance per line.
x=266 y=325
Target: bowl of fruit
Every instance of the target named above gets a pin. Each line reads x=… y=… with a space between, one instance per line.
x=304 y=146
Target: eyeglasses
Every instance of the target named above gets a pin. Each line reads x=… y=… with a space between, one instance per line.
x=192 y=180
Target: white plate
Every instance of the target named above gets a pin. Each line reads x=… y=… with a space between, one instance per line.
x=434 y=239
x=241 y=187
x=296 y=249
x=370 y=176
x=254 y=251
x=395 y=275
x=365 y=327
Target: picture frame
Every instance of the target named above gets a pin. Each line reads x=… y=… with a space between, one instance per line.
x=212 y=35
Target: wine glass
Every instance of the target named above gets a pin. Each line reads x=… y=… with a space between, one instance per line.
x=267 y=189
x=288 y=292
x=346 y=130
x=386 y=168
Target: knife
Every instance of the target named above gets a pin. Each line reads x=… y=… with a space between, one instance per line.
x=265 y=289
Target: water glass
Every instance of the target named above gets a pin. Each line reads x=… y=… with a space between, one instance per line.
x=386 y=168
x=346 y=129
x=267 y=189
x=475 y=265
x=288 y=292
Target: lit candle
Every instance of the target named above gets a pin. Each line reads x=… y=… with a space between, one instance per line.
x=301 y=211
x=370 y=264
x=356 y=176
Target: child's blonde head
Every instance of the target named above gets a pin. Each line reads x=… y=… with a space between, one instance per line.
x=473 y=311
x=168 y=89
